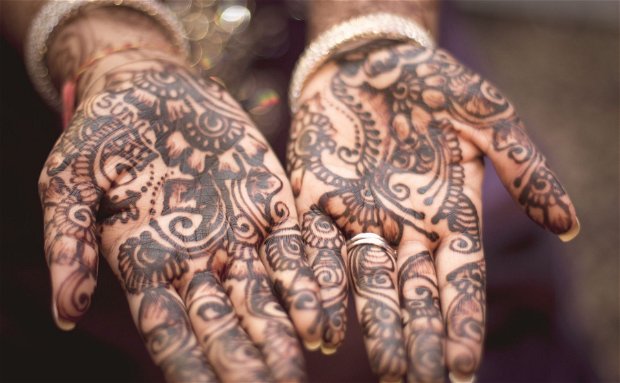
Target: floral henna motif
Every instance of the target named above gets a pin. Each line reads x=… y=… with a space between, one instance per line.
x=419 y=95
x=144 y=263
x=544 y=199
x=389 y=139
x=169 y=169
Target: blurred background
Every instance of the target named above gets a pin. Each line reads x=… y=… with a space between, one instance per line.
x=553 y=308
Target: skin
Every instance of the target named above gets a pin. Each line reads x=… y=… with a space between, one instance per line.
x=323 y=14
x=165 y=176
x=206 y=302
x=390 y=139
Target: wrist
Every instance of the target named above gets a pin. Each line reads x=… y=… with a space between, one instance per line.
x=100 y=77
x=323 y=14
x=96 y=30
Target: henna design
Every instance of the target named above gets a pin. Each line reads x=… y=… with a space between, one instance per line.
x=544 y=200
x=371 y=270
x=279 y=340
x=466 y=313
x=144 y=263
x=283 y=252
x=389 y=139
x=168 y=337
x=78 y=286
x=319 y=232
x=422 y=317
x=419 y=95
x=328 y=269
x=277 y=348
x=283 y=249
x=324 y=243
x=226 y=344
x=170 y=171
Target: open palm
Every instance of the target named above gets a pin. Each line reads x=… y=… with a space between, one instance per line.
x=165 y=175
x=389 y=139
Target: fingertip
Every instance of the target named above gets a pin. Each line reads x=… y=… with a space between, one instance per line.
x=455 y=378
x=61 y=323
x=72 y=291
x=331 y=343
x=64 y=325
x=399 y=380
x=328 y=350
x=572 y=232
x=309 y=332
x=312 y=345
x=306 y=315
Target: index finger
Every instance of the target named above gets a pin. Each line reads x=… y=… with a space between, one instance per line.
x=70 y=198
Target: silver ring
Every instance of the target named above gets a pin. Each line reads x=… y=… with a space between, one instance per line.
x=369 y=239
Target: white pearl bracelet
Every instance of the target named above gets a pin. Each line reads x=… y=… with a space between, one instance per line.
x=369 y=27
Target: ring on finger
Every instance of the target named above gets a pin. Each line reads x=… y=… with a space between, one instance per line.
x=369 y=239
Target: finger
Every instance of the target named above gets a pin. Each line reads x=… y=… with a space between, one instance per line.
x=372 y=274
x=228 y=348
x=422 y=321
x=164 y=325
x=524 y=172
x=294 y=283
x=323 y=245
x=262 y=317
x=70 y=200
x=461 y=280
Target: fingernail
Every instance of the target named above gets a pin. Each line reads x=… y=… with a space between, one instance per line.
x=328 y=350
x=457 y=379
x=399 y=380
x=312 y=346
x=62 y=324
x=572 y=233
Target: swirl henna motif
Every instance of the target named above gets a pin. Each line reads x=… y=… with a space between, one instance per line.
x=422 y=320
x=371 y=271
x=428 y=94
x=144 y=263
x=167 y=334
x=323 y=246
x=389 y=139
x=466 y=313
x=187 y=200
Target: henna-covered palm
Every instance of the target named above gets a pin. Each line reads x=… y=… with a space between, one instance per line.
x=390 y=139
x=166 y=175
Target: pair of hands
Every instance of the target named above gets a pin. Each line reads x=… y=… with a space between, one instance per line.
x=163 y=174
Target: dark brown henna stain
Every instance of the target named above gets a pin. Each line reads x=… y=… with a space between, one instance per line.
x=322 y=236
x=422 y=317
x=169 y=339
x=370 y=270
x=177 y=158
x=465 y=315
x=383 y=150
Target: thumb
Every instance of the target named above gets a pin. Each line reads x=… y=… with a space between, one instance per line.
x=524 y=172
x=69 y=198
